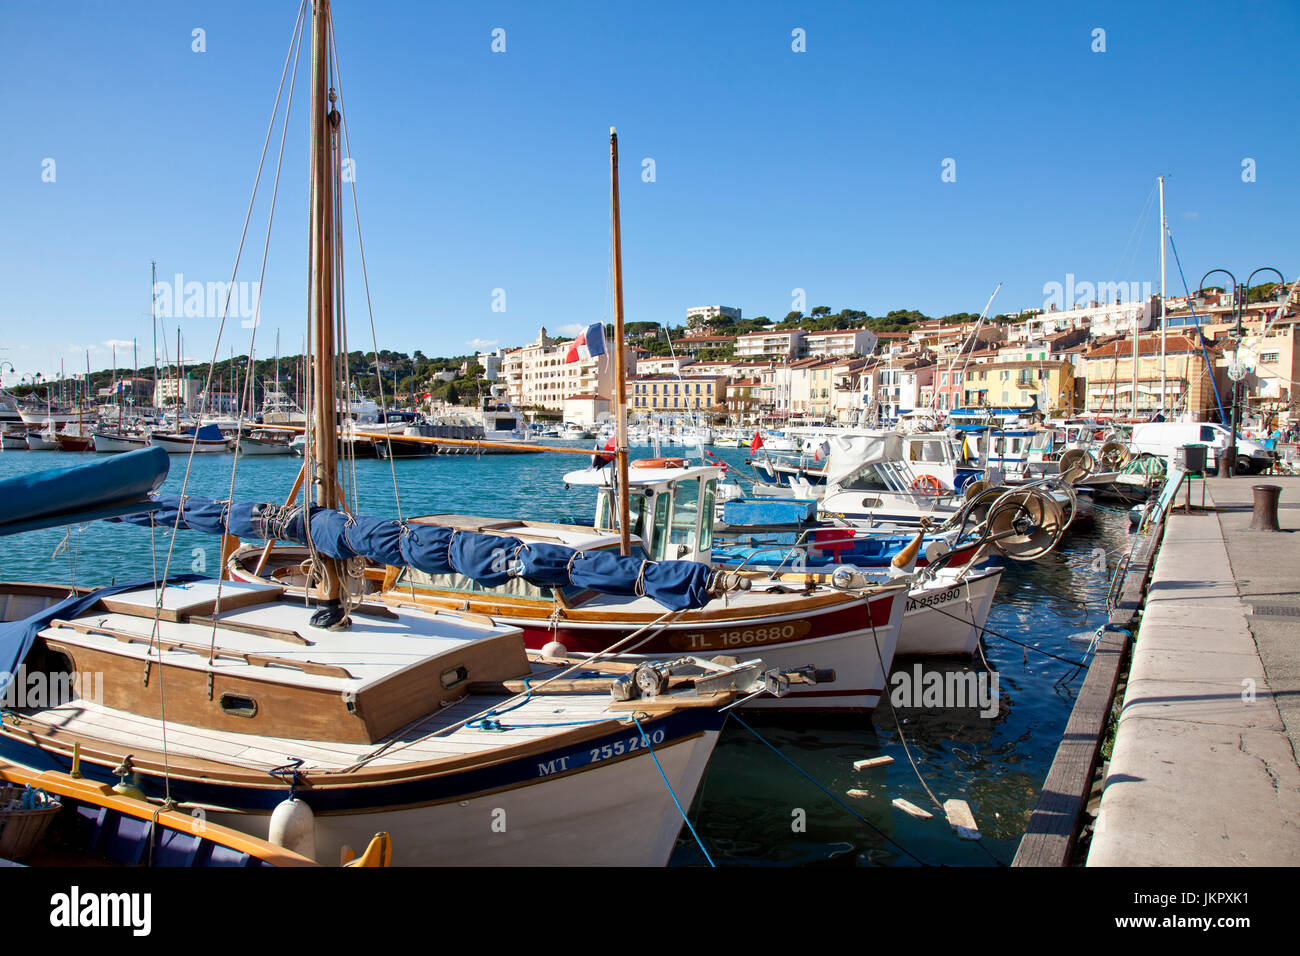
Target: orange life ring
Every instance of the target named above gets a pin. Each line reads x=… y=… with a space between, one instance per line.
x=927 y=485
x=659 y=463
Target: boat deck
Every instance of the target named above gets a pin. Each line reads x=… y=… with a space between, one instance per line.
x=413 y=745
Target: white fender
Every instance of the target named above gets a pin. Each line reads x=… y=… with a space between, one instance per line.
x=293 y=826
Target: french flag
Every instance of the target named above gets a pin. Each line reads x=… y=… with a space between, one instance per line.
x=588 y=344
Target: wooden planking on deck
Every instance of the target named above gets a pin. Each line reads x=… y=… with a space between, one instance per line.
x=419 y=744
x=1050 y=837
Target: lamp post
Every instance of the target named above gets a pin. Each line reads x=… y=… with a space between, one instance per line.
x=1236 y=373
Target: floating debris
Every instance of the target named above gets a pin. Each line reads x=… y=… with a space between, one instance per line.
x=912 y=809
x=872 y=762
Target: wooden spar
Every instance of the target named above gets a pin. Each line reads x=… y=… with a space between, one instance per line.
x=325 y=425
x=620 y=371
x=467 y=442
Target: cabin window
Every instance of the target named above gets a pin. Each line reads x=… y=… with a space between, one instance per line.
x=706 y=509
x=685 y=519
x=660 y=527
x=1207 y=433
x=236 y=705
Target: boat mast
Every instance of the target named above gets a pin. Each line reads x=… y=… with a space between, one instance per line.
x=620 y=372
x=324 y=131
x=153 y=308
x=1162 y=295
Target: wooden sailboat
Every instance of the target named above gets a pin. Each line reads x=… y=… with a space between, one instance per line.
x=849 y=635
x=327 y=721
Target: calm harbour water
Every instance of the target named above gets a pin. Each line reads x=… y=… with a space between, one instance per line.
x=753 y=809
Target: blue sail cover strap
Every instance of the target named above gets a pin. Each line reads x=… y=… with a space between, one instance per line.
x=490 y=560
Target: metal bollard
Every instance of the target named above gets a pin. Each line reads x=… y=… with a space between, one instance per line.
x=1265 y=516
x=1227 y=463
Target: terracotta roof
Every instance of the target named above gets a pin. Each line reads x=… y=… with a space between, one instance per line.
x=1147 y=345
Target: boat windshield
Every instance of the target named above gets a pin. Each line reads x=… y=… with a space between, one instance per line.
x=866 y=478
x=927 y=450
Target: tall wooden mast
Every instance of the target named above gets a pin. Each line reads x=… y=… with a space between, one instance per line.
x=620 y=372
x=324 y=129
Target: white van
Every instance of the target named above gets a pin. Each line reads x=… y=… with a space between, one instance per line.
x=1163 y=438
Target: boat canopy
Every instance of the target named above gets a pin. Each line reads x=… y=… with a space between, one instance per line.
x=847 y=455
x=103 y=488
x=489 y=559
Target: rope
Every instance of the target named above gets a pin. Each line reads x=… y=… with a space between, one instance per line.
x=646 y=741
x=295 y=45
x=365 y=277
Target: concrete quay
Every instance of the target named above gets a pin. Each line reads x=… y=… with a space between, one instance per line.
x=1204 y=771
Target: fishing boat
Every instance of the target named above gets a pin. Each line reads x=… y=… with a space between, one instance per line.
x=13 y=439
x=45 y=439
x=261 y=442
x=115 y=442
x=203 y=440
x=94 y=824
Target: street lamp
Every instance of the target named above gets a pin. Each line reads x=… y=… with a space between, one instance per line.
x=1240 y=294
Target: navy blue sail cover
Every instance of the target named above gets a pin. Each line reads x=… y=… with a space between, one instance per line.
x=490 y=560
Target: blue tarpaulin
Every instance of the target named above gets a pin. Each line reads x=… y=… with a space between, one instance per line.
x=490 y=560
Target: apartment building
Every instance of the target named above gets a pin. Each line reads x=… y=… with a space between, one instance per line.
x=1189 y=382
x=1047 y=385
x=837 y=343
x=785 y=345
x=537 y=375
x=647 y=395
x=662 y=365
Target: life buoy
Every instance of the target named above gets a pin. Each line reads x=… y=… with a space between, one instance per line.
x=659 y=463
x=927 y=485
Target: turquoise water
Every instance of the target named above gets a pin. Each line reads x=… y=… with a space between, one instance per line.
x=753 y=808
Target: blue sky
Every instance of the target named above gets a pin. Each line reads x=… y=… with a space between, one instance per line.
x=775 y=170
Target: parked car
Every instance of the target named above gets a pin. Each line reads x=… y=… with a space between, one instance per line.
x=1162 y=438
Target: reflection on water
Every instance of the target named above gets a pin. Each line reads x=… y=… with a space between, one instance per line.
x=753 y=808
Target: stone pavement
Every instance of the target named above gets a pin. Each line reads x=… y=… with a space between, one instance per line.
x=1203 y=771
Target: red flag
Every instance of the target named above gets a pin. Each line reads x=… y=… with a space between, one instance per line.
x=757 y=443
x=600 y=461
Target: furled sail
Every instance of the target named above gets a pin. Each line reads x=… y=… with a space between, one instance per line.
x=490 y=560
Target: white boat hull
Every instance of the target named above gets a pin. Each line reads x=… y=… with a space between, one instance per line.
x=113 y=444
x=948 y=620
x=37 y=442
x=618 y=814
x=257 y=446
x=182 y=444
